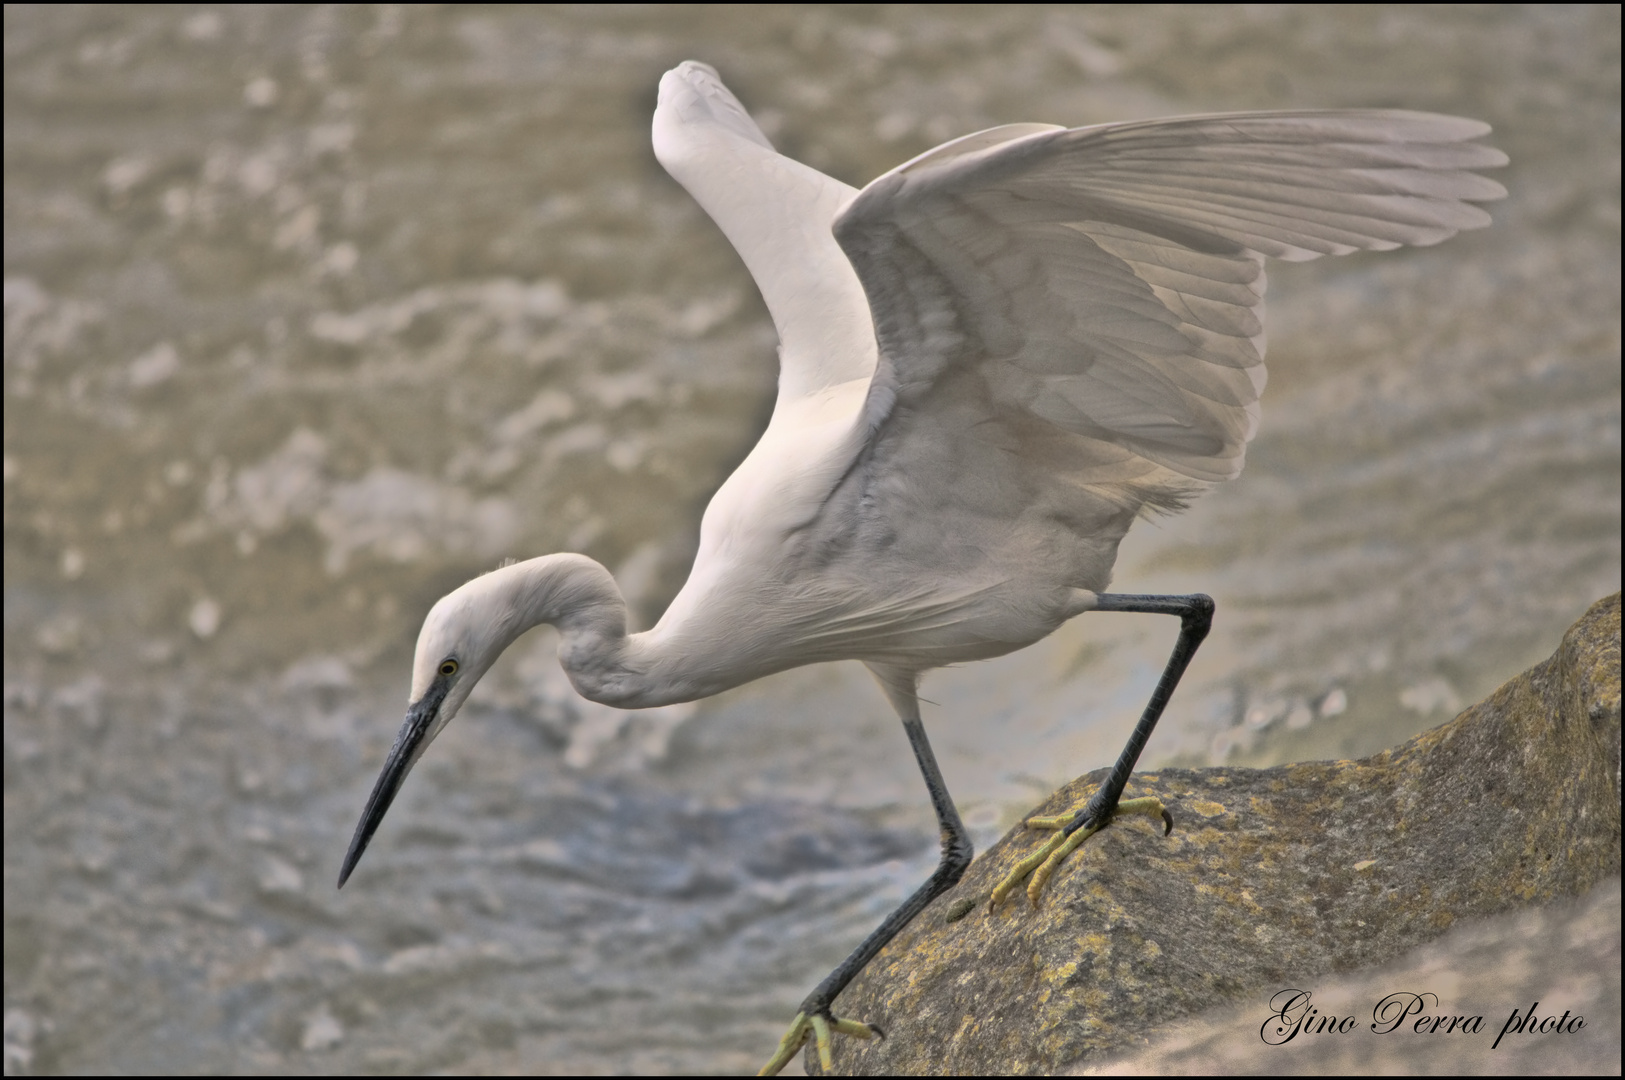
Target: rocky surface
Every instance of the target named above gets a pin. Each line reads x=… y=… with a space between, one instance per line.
x=1273 y=877
x=1561 y=959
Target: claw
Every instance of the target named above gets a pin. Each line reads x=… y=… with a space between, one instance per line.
x=818 y=1025
x=1042 y=864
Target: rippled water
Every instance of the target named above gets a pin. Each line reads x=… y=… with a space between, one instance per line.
x=310 y=314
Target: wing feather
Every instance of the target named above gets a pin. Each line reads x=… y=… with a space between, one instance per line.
x=776 y=212
x=1108 y=281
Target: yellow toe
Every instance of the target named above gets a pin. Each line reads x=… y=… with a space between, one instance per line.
x=1041 y=865
x=818 y=1027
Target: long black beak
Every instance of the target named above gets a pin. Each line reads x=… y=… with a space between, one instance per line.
x=409 y=744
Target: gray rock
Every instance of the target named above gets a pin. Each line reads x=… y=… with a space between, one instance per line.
x=1272 y=878
x=1562 y=958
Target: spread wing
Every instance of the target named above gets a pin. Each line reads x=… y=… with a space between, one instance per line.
x=776 y=212
x=1091 y=299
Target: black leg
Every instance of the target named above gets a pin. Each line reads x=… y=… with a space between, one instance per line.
x=1195 y=619
x=816 y=1018
x=956 y=856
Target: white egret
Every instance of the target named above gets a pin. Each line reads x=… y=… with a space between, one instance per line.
x=992 y=359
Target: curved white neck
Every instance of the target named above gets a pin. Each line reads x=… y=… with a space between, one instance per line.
x=579 y=597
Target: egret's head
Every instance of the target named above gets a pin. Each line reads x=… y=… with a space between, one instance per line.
x=460 y=640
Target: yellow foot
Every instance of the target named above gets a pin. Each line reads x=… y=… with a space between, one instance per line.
x=1043 y=863
x=818 y=1025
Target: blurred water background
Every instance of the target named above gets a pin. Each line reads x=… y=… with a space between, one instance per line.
x=313 y=313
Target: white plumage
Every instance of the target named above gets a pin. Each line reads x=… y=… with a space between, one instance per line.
x=992 y=359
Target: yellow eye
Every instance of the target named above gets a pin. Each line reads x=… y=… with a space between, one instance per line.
x=448 y=667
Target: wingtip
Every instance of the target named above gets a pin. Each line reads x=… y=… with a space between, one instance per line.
x=693 y=94
x=687 y=75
